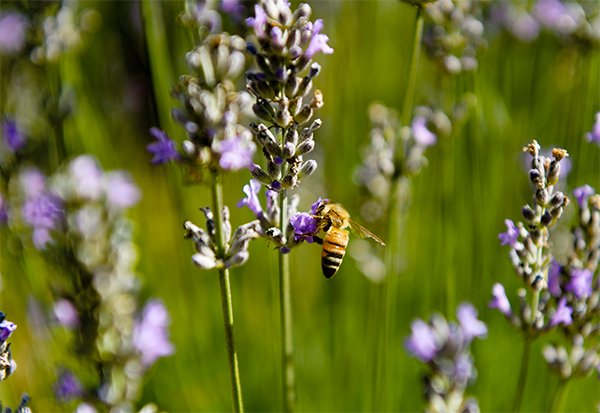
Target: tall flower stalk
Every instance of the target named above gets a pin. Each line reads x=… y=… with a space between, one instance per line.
x=284 y=46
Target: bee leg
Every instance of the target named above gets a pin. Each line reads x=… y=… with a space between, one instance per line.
x=318 y=240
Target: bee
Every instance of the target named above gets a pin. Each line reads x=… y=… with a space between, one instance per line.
x=333 y=219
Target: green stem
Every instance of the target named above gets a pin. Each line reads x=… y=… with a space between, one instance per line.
x=522 y=376
x=225 y=287
x=412 y=73
x=285 y=308
x=560 y=395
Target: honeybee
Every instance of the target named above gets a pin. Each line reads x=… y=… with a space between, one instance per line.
x=333 y=219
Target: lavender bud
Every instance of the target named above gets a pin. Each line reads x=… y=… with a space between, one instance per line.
x=294 y=105
x=557 y=212
x=291 y=86
x=304 y=115
x=289 y=181
x=264 y=89
x=304 y=86
x=293 y=41
x=553 y=172
x=557 y=199
x=541 y=196
x=259 y=174
x=284 y=118
x=237 y=259
x=291 y=136
x=315 y=68
x=267 y=140
x=189 y=148
x=317 y=100
x=288 y=150
x=536 y=178
x=305 y=147
x=307 y=168
x=546 y=219
x=205 y=258
x=264 y=110
x=528 y=213
x=303 y=11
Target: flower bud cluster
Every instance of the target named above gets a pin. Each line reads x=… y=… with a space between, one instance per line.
x=576 y=286
x=286 y=44
x=7 y=364
x=569 y=21
x=21 y=408
x=210 y=109
x=395 y=152
x=235 y=250
x=530 y=252
x=455 y=34
x=445 y=347
x=78 y=219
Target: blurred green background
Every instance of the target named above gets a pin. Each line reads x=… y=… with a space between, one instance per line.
x=450 y=249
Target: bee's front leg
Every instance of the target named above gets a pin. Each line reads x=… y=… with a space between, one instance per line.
x=318 y=240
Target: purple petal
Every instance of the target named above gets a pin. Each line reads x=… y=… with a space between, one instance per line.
x=121 y=192
x=563 y=314
x=471 y=326
x=422 y=135
x=164 y=149
x=580 y=283
x=422 y=343
x=582 y=193
x=500 y=300
x=150 y=335
x=511 y=235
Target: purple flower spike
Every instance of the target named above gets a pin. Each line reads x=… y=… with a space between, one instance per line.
x=3 y=211
x=422 y=343
x=305 y=226
x=422 y=135
x=251 y=201
x=563 y=314
x=163 y=149
x=500 y=300
x=471 y=326
x=258 y=22
x=121 y=192
x=582 y=193
x=318 y=42
x=42 y=213
x=511 y=235
x=580 y=283
x=6 y=329
x=594 y=135
x=13 y=136
x=150 y=336
x=235 y=153
x=33 y=182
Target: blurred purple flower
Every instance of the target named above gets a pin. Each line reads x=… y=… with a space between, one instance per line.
x=233 y=8
x=258 y=22
x=67 y=387
x=43 y=213
x=463 y=367
x=554 y=278
x=318 y=42
x=66 y=313
x=3 y=211
x=582 y=193
x=422 y=343
x=33 y=182
x=251 y=201
x=523 y=26
x=163 y=149
x=235 y=153
x=471 y=326
x=150 y=335
x=562 y=315
x=13 y=136
x=13 y=27
x=305 y=226
x=594 y=135
x=87 y=177
x=6 y=329
x=500 y=300
x=555 y=15
x=511 y=235
x=580 y=283
x=422 y=135
x=121 y=192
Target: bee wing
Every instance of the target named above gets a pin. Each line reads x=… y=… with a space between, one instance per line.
x=364 y=233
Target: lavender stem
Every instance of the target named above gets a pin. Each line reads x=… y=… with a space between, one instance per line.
x=412 y=73
x=225 y=288
x=560 y=395
x=285 y=308
x=522 y=376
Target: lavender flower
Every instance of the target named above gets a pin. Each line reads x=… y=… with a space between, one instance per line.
x=14 y=138
x=4 y=214
x=594 y=135
x=43 y=213
x=554 y=273
x=235 y=153
x=582 y=194
x=318 y=42
x=563 y=314
x=251 y=200
x=67 y=387
x=66 y=313
x=305 y=227
x=87 y=178
x=7 y=364
x=13 y=31
x=500 y=300
x=163 y=149
x=580 y=283
x=422 y=135
x=6 y=329
x=445 y=347
x=121 y=192
x=422 y=342
x=150 y=337
x=511 y=236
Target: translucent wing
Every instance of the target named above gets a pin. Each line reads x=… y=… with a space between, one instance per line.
x=364 y=233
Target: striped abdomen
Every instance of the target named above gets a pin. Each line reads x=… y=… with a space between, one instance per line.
x=334 y=248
